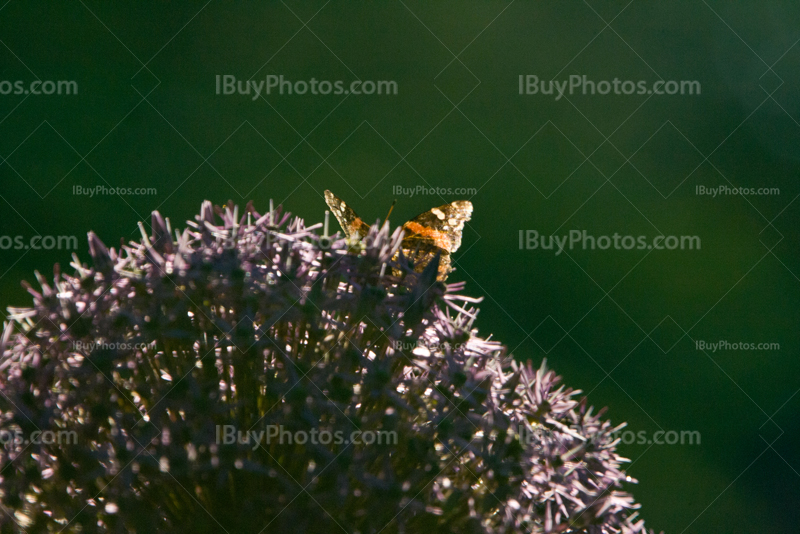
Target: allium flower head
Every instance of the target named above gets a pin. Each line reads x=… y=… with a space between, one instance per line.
x=171 y=360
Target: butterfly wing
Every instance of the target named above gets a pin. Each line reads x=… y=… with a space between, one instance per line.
x=437 y=231
x=351 y=223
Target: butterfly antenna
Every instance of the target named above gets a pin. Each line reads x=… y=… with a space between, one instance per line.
x=390 y=211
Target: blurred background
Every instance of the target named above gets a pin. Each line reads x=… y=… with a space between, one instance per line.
x=628 y=327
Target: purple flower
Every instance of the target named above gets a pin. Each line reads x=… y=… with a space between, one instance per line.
x=250 y=375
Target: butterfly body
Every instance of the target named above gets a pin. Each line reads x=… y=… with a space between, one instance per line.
x=437 y=231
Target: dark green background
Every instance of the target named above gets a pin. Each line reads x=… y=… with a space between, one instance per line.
x=620 y=325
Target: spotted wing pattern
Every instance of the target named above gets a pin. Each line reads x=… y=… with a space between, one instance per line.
x=351 y=223
x=437 y=231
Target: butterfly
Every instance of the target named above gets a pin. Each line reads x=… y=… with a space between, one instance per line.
x=437 y=231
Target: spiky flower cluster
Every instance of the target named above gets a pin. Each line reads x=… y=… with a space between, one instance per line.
x=186 y=379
